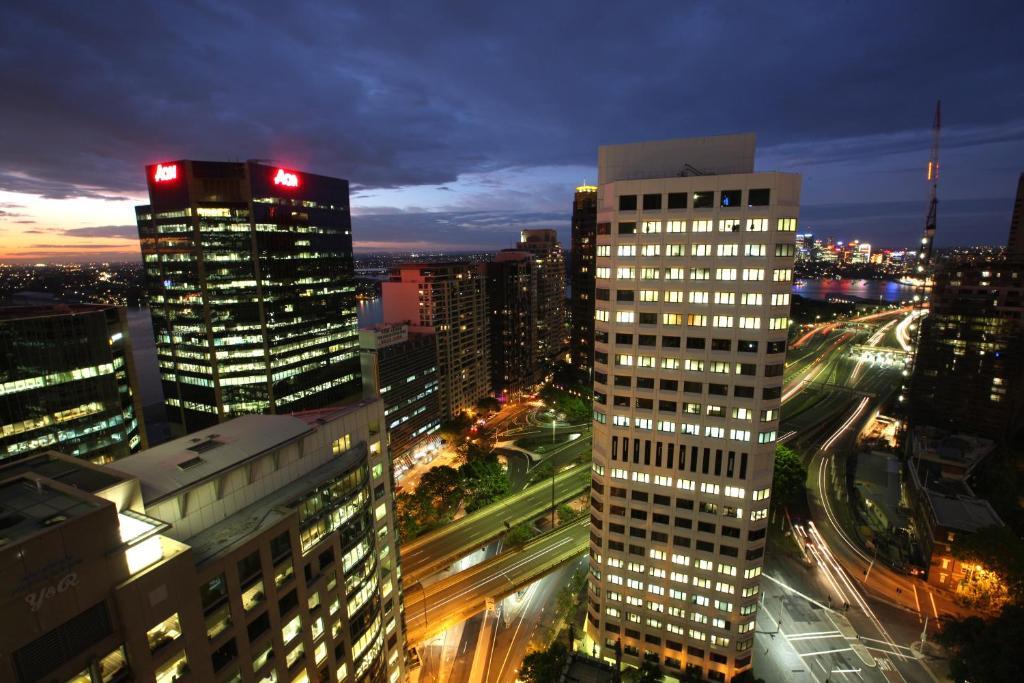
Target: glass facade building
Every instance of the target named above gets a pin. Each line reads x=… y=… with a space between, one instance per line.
x=250 y=280
x=67 y=382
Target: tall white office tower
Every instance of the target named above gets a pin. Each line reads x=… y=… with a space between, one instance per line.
x=693 y=275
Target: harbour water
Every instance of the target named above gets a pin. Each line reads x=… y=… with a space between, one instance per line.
x=883 y=291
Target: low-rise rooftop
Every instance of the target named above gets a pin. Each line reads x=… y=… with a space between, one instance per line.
x=177 y=465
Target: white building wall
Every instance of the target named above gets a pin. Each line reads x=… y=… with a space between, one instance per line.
x=677 y=545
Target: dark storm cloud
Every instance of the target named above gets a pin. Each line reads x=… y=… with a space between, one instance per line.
x=392 y=94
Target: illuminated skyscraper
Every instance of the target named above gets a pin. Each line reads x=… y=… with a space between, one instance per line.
x=584 y=239
x=550 y=265
x=513 y=310
x=694 y=270
x=250 y=281
x=450 y=301
x=67 y=382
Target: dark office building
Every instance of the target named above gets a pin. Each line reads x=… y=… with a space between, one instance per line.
x=67 y=383
x=969 y=375
x=250 y=281
x=549 y=261
x=513 y=312
x=581 y=312
x=1015 y=245
x=401 y=367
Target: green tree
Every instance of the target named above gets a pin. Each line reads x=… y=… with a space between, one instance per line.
x=999 y=550
x=566 y=514
x=789 y=483
x=544 y=666
x=441 y=487
x=519 y=534
x=488 y=404
x=985 y=650
x=484 y=482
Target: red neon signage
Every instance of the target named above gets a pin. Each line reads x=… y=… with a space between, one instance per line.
x=286 y=178
x=163 y=173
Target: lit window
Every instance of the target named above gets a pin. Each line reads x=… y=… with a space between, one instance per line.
x=696 y=297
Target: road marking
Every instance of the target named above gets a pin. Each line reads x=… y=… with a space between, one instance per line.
x=826 y=652
x=917 y=601
x=935 y=610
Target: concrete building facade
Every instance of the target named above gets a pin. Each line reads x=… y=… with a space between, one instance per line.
x=448 y=300
x=693 y=275
x=513 y=311
x=260 y=549
x=400 y=367
x=550 y=264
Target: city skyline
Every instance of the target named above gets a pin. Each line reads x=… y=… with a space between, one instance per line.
x=440 y=156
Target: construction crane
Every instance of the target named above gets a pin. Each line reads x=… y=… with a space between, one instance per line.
x=925 y=255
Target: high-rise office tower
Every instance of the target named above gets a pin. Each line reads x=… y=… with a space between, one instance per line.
x=694 y=267
x=1015 y=246
x=250 y=281
x=401 y=367
x=513 y=308
x=67 y=382
x=969 y=371
x=584 y=241
x=259 y=549
x=550 y=262
x=450 y=301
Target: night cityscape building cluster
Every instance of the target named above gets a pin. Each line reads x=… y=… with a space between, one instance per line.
x=706 y=441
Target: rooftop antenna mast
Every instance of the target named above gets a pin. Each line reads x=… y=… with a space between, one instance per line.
x=924 y=268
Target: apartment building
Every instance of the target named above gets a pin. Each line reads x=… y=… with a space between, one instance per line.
x=692 y=293
x=401 y=367
x=448 y=300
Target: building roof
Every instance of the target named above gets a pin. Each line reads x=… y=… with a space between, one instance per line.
x=714 y=155
x=28 y=506
x=963 y=513
x=181 y=464
x=27 y=312
x=236 y=529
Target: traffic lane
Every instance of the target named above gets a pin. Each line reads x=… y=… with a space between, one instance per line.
x=520 y=619
x=491 y=522
x=459 y=596
x=566 y=480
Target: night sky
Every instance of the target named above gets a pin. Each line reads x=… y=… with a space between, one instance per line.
x=457 y=123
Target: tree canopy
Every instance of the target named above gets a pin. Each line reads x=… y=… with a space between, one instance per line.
x=789 y=483
x=997 y=549
x=544 y=666
x=985 y=650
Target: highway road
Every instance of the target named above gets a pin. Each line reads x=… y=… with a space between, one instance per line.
x=436 y=550
x=799 y=637
x=430 y=609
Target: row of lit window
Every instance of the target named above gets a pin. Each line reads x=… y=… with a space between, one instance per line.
x=722 y=274
x=678 y=249
x=724 y=225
